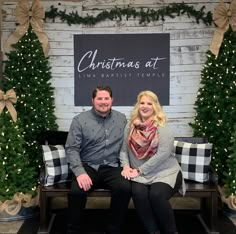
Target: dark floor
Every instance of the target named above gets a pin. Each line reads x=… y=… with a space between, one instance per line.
x=95 y=222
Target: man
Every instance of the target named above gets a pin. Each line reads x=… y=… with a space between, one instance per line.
x=92 y=149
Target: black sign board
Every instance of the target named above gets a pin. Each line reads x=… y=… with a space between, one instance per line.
x=128 y=63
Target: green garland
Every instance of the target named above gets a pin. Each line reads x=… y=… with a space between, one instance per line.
x=148 y=15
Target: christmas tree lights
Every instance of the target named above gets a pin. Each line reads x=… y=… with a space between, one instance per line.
x=16 y=175
x=230 y=175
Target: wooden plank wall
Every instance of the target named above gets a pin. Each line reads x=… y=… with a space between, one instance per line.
x=188 y=46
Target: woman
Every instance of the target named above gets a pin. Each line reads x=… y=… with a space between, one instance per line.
x=147 y=160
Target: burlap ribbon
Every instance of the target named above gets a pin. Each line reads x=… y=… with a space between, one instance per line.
x=230 y=201
x=223 y=18
x=27 y=16
x=12 y=207
x=7 y=100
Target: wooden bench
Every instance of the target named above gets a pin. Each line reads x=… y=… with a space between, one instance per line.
x=206 y=192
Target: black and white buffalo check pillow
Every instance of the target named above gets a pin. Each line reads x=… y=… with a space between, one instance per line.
x=194 y=159
x=56 y=166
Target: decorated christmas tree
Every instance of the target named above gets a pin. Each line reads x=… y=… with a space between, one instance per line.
x=16 y=175
x=216 y=102
x=28 y=71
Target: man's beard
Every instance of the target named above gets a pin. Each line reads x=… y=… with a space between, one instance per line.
x=103 y=113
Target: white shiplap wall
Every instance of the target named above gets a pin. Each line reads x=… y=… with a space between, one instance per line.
x=188 y=46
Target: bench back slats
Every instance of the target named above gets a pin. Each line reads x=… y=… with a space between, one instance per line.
x=59 y=138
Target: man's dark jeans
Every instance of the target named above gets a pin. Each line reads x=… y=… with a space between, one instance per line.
x=108 y=178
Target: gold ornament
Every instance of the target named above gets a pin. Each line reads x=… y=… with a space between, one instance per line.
x=27 y=16
x=223 y=18
x=7 y=100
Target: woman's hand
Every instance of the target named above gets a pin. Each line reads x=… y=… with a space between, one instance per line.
x=130 y=173
x=135 y=173
x=126 y=172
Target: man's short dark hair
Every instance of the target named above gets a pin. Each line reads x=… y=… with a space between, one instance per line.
x=101 y=88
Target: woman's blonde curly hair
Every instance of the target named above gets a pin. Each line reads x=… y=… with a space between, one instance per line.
x=159 y=116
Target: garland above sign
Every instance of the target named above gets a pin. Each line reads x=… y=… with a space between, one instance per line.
x=145 y=15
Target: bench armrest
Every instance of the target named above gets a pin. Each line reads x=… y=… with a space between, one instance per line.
x=213 y=177
x=42 y=176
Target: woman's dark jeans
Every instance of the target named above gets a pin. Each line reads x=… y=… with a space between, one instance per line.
x=153 y=207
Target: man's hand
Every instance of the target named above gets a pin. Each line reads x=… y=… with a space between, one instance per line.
x=84 y=181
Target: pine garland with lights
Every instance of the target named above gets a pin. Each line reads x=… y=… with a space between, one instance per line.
x=145 y=15
x=16 y=175
x=230 y=175
x=28 y=72
x=215 y=104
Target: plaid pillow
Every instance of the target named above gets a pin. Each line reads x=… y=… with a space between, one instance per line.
x=194 y=160
x=56 y=166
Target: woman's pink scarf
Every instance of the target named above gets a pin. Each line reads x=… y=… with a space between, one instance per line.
x=143 y=138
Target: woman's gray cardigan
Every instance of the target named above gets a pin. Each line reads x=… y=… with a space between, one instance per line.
x=161 y=167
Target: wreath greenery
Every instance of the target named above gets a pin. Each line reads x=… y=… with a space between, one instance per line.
x=145 y=15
